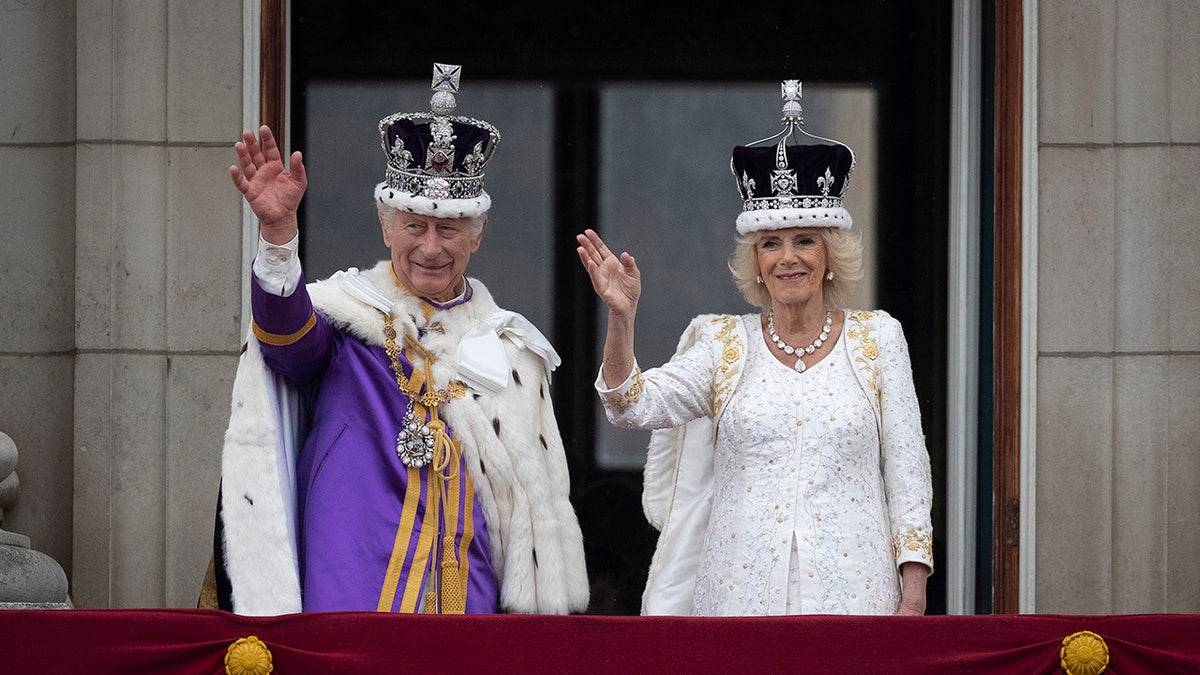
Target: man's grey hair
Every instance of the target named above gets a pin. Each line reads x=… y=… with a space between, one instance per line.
x=387 y=214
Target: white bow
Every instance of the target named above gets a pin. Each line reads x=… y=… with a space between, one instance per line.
x=361 y=288
x=482 y=363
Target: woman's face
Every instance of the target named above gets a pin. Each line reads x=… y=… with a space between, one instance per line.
x=793 y=263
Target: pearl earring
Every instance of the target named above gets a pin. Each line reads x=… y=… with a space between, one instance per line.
x=829 y=277
x=758 y=279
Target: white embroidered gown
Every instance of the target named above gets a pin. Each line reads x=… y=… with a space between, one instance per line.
x=811 y=513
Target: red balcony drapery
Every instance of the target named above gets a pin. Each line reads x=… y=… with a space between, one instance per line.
x=196 y=641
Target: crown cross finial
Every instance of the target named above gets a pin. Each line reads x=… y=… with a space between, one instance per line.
x=445 y=77
x=444 y=86
x=792 y=112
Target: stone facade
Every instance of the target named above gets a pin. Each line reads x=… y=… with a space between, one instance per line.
x=123 y=292
x=1118 y=307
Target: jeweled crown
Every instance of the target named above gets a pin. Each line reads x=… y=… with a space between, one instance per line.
x=792 y=185
x=435 y=159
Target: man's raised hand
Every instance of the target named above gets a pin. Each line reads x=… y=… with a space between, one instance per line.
x=272 y=191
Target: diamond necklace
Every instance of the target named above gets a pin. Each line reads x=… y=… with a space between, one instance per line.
x=800 y=351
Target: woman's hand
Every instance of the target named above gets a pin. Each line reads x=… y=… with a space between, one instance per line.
x=912 y=589
x=273 y=192
x=619 y=284
x=616 y=279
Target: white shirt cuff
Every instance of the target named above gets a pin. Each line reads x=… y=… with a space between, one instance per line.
x=277 y=267
x=605 y=391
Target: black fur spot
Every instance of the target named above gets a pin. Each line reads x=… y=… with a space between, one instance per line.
x=476 y=396
x=516 y=377
x=496 y=425
x=247 y=498
x=482 y=467
x=535 y=557
x=543 y=440
x=391 y=195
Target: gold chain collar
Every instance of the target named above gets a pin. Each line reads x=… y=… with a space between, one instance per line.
x=432 y=397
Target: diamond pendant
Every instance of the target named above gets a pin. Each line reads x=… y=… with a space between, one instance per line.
x=800 y=367
x=414 y=444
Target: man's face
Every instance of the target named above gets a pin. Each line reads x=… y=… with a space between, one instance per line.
x=430 y=255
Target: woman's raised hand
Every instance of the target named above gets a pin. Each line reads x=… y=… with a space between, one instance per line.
x=616 y=279
x=272 y=191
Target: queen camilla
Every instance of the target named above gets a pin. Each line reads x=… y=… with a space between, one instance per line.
x=788 y=472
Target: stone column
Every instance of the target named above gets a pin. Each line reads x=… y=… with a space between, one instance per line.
x=159 y=276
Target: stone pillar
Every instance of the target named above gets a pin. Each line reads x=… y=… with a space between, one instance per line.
x=28 y=579
x=159 y=277
x=1116 y=505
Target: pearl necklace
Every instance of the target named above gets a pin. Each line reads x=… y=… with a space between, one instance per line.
x=800 y=351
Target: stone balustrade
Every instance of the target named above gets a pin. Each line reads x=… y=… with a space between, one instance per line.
x=29 y=579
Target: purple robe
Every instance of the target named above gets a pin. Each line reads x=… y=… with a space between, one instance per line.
x=360 y=522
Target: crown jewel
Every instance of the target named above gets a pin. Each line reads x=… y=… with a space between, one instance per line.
x=792 y=185
x=435 y=160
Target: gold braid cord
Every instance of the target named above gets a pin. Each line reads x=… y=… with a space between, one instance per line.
x=431 y=398
x=450 y=593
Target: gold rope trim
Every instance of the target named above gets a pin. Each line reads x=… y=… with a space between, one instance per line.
x=408 y=518
x=446 y=587
x=420 y=563
x=431 y=398
x=1084 y=653
x=283 y=340
x=248 y=656
x=452 y=594
x=464 y=545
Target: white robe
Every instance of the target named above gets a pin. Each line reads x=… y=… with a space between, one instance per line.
x=826 y=513
x=524 y=492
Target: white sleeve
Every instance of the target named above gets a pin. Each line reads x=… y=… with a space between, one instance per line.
x=906 y=472
x=675 y=393
x=277 y=268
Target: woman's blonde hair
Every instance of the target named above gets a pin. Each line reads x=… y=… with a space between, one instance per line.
x=844 y=250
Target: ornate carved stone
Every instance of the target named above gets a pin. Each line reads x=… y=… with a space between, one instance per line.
x=29 y=579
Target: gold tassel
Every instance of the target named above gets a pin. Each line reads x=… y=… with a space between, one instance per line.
x=454 y=592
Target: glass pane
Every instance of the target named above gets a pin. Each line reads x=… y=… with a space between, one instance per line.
x=345 y=162
x=668 y=197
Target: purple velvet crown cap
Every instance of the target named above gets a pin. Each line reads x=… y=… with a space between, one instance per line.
x=435 y=160
x=417 y=140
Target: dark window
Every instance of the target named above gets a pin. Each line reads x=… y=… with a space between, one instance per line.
x=565 y=87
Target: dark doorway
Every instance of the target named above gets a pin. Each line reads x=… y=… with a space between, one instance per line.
x=566 y=63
